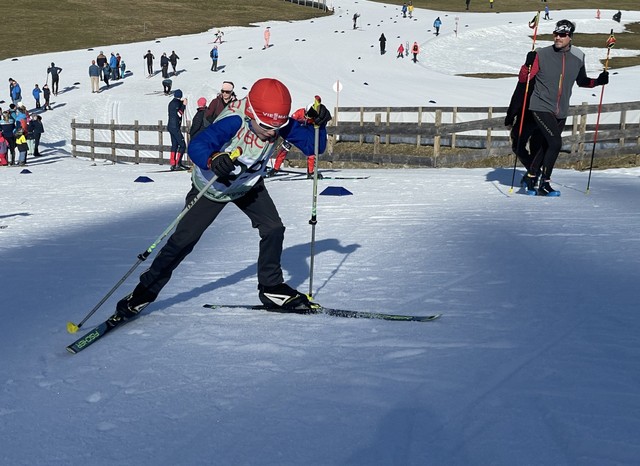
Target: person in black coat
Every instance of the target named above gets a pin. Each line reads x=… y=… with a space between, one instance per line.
x=36 y=128
x=383 y=43
x=164 y=64
x=174 y=126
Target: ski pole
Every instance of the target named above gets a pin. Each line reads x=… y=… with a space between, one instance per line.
x=611 y=41
x=524 y=102
x=73 y=328
x=314 y=203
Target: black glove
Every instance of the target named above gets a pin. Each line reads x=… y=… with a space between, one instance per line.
x=221 y=164
x=603 y=78
x=509 y=119
x=323 y=116
x=531 y=57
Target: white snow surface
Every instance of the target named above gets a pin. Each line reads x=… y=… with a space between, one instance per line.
x=534 y=361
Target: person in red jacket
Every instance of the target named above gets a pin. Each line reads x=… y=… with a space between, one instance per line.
x=316 y=114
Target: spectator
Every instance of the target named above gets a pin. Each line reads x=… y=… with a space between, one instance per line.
x=217 y=105
x=166 y=85
x=36 y=128
x=16 y=91
x=113 y=66
x=94 y=76
x=106 y=74
x=174 y=126
x=47 y=96
x=383 y=43
x=36 y=95
x=214 y=58
x=199 y=121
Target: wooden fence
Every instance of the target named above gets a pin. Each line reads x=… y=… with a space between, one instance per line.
x=477 y=132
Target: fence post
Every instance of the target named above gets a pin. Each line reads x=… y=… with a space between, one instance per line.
x=113 y=141
x=93 y=140
x=388 y=138
x=454 y=116
x=160 y=131
x=488 y=143
x=376 y=137
x=419 y=137
x=436 y=138
x=623 y=125
x=361 y=123
x=136 y=139
x=73 y=137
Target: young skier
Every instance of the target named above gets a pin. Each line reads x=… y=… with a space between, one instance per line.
x=230 y=157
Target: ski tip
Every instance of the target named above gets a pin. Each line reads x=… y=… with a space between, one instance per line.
x=71 y=350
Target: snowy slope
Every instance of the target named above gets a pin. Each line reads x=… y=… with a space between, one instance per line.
x=534 y=361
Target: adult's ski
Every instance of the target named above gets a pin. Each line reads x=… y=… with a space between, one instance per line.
x=317 y=309
x=94 y=335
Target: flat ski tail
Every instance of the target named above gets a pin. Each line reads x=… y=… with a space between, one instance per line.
x=317 y=309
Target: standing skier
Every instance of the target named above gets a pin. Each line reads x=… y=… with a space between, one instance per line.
x=173 y=59
x=556 y=68
x=174 y=126
x=164 y=65
x=233 y=152
x=149 y=58
x=55 y=77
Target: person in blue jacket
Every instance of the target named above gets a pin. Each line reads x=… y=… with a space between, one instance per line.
x=230 y=157
x=113 y=65
x=436 y=24
x=214 y=58
x=36 y=95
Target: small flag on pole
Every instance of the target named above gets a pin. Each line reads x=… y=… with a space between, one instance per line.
x=611 y=41
x=534 y=22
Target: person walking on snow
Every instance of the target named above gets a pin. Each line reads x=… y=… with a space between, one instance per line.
x=555 y=68
x=230 y=158
x=400 y=51
x=415 y=50
x=174 y=126
x=383 y=43
x=436 y=24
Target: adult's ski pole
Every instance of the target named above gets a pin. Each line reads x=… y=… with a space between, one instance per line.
x=314 y=203
x=533 y=24
x=611 y=41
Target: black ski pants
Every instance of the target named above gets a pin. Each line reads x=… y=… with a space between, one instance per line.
x=256 y=204
x=530 y=133
x=551 y=129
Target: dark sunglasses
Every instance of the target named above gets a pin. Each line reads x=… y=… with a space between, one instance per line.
x=222 y=91
x=561 y=34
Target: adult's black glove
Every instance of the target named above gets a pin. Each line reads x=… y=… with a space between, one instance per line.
x=221 y=164
x=603 y=78
x=509 y=119
x=531 y=57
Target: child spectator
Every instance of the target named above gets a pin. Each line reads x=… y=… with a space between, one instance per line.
x=36 y=95
x=47 y=95
x=21 y=144
x=4 y=148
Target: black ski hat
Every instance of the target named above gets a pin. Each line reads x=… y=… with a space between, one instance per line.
x=566 y=26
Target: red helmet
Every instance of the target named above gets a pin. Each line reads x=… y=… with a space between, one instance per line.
x=269 y=102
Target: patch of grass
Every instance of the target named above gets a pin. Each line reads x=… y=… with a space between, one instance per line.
x=76 y=24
